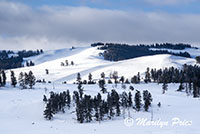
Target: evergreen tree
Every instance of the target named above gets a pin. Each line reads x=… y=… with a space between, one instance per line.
x=124 y=102
x=127 y=81
x=116 y=101
x=3 y=78
x=47 y=71
x=87 y=108
x=80 y=90
x=48 y=112
x=66 y=62
x=45 y=98
x=13 y=79
x=62 y=64
x=103 y=75
x=102 y=85
x=80 y=111
x=109 y=81
x=31 y=79
x=90 y=78
x=68 y=97
x=147 y=101
x=110 y=106
x=164 y=87
x=115 y=77
x=96 y=109
x=122 y=79
x=72 y=63
x=147 y=76
x=78 y=79
x=21 y=80
x=1 y=83
x=130 y=102
x=137 y=100
x=181 y=87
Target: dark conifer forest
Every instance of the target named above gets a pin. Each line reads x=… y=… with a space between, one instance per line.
x=117 y=52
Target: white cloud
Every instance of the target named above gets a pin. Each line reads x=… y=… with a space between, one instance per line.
x=169 y=2
x=55 y=27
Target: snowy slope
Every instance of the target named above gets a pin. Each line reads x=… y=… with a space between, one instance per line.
x=21 y=111
x=87 y=60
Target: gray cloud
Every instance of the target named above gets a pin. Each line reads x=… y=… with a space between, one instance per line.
x=56 y=27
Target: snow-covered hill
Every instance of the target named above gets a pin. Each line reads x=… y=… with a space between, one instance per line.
x=87 y=60
x=21 y=111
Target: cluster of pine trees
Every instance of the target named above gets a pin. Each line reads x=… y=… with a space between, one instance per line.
x=30 y=63
x=56 y=103
x=117 y=52
x=10 y=59
x=26 y=80
x=179 y=46
x=96 y=108
x=188 y=77
x=66 y=63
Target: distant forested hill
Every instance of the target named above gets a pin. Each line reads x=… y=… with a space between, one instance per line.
x=10 y=59
x=116 y=52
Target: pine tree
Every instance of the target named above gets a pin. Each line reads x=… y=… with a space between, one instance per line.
x=130 y=102
x=26 y=79
x=110 y=106
x=127 y=81
x=3 y=78
x=13 y=78
x=102 y=85
x=62 y=64
x=180 y=88
x=124 y=102
x=79 y=111
x=137 y=100
x=47 y=71
x=31 y=79
x=115 y=77
x=147 y=101
x=122 y=79
x=164 y=87
x=68 y=97
x=80 y=90
x=90 y=78
x=66 y=62
x=88 y=108
x=78 y=79
x=1 y=83
x=96 y=109
x=138 y=77
x=72 y=63
x=48 y=112
x=103 y=75
x=21 y=80
x=45 y=98
x=147 y=76
x=115 y=97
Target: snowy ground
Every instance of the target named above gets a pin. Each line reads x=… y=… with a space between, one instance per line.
x=21 y=111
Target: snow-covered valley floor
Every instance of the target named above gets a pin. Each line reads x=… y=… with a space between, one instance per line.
x=21 y=112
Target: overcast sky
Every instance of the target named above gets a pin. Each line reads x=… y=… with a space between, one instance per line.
x=50 y=24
